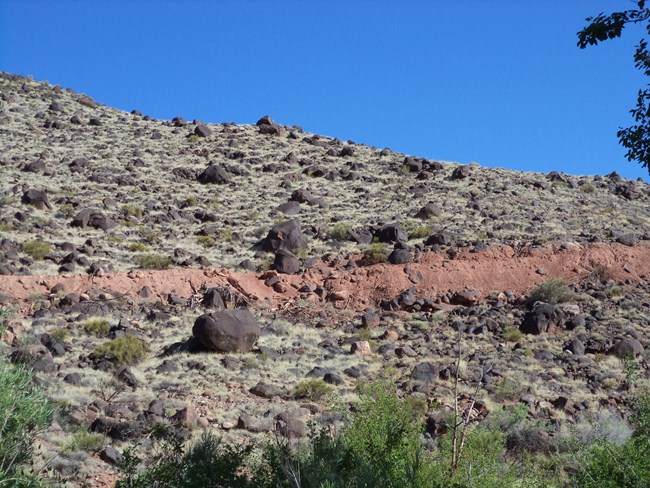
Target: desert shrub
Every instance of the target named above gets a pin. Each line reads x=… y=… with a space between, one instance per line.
x=154 y=261
x=207 y=463
x=65 y=211
x=98 y=327
x=610 y=465
x=553 y=290
x=375 y=253
x=6 y=227
x=206 y=241
x=614 y=292
x=138 y=247
x=37 y=249
x=588 y=188
x=339 y=232
x=226 y=235
x=191 y=201
x=508 y=389
x=512 y=334
x=124 y=350
x=148 y=235
x=84 y=441
x=24 y=411
x=132 y=210
x=313 y=390
x=601 y=272
x=420 y=232
x=7 y=314
x=59 y=334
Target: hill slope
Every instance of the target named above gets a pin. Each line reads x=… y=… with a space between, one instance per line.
x=358 y=263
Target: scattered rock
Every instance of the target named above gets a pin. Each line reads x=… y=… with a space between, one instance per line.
x=227 y=330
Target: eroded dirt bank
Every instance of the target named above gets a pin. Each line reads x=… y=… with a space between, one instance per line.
x=497 y=268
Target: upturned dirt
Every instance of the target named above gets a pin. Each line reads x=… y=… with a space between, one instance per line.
x=497 y=268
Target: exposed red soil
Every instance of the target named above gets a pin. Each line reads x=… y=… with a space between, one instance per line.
x=497 y=268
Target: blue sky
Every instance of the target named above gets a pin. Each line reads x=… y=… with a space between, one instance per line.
x=499 y=82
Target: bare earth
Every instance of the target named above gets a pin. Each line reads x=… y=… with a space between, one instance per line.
x=494 y=269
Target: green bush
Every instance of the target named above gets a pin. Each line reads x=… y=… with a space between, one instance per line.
x=420 y=232
x=208 y=463
x=553 y=290
x=512 y=334
x=313 y=390
x=37 y=249
x=206 y=241
x=132 y=210
x=608 y=465
x=154 y=261
x=339 y=232
x=24 y=411
x=98 y=327
x=375 y=253
x=85 y=441
x=124 y=350
x=138 y=247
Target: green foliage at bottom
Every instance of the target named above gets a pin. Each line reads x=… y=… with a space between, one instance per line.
x=24 y=410
x=380 y=448
x=608 y=465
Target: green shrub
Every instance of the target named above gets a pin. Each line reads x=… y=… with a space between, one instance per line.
x=191 y=201
x=154 y=261
x=207 y=463
x=6 y=227
x=375 y=253
x=24 y=411
x=226 y=235
x=553 y=290
x=512 y=334
x=124 y=350
x=614 y=292
x=313 y=390
x=138 y=247
x=84 y=441
x=132 y=210
x=150 y=236
x=608 y=465
x=206 y=241
x=420 y=232
x=339 y=232
x=588 y=188
x=66 y=211
x=37 y=249
x=98 y=327
x=59 y=334
x=380 y=447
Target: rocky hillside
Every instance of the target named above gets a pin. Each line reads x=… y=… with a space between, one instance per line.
x=247 y=278
x=104 y=188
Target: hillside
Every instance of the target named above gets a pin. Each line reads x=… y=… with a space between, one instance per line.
x=356 y=263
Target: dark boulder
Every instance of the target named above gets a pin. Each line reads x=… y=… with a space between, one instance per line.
x=286 y=235
x=227 y=330
x=391 y=233
x=628 y=347
x=286 y=262
x=214 y=174
x=544 y=317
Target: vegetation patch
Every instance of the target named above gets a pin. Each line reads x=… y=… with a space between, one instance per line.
x=375 y=253
x=553 y=290
x=98 y=327
x=154 y=261
x=124 y=350
x=313 y=390
x=37 y=249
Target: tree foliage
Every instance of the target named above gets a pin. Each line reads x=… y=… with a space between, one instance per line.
x=636 y=139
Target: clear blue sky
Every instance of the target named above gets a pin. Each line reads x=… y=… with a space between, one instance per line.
x=499 y=82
